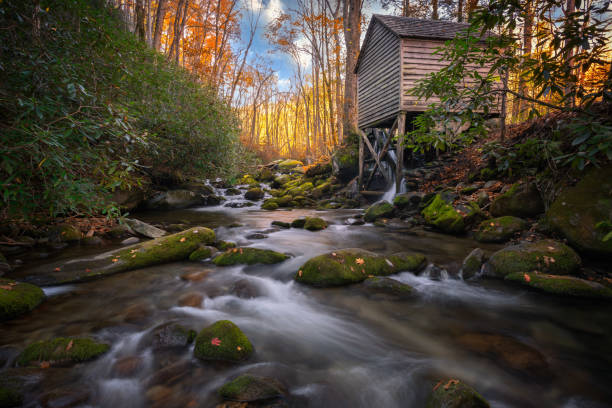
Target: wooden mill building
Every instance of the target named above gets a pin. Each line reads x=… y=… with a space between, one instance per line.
x=397 y=52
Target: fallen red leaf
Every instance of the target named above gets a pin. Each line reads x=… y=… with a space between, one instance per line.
x=527 y=277
x=215 y=341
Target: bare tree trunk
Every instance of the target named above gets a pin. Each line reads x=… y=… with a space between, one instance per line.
x=460 y=11
x=471 y=6
x=352 y=34
x=434 y=11
x=406 y=8
x=527 y=39
x=140 y=20
x=159 y=23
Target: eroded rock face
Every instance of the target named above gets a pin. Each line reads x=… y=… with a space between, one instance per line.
x=355 y=265
x=578 y=210
x=451 y=393
x=521 y=200
x=223 y=340
x=546 y=256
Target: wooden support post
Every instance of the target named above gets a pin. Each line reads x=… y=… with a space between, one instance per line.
x=371 y=149
x=401 y=129
x=361 y=163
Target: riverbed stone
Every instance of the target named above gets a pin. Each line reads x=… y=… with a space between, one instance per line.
x=581 y=213
x=545 y=256
x=196 y=276
x=144 y=229
x=409 y=200
x=298 y=223
x=191 y=299
x=561 y=285
x=224 y=245
x=499 y=229
x=223 y=340
x=254 y=194
x=354 y=265
x=453 y=393
x=315 y=224
x=248 y=388
x=442 y=215
x=249 y=256
x=472 y=263
x=319 y=169
x=270 y=204
x=521 y=200
x=387 y=286
x=281 y=224
x=17 y=298
x=265 y=174
x=61 y=351
x=170 y=335
x=203 y=252
x=381 y=209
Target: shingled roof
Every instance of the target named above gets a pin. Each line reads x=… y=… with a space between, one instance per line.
x=409 y=27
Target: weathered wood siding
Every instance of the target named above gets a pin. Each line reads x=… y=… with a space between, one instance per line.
x=418 y=59
x=378 y=77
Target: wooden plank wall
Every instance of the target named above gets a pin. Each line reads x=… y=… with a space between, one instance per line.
x=378 y=94
x=418 y=59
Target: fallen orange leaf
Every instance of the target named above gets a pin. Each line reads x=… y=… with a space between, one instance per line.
x=45 y=364
x=69 y=346
x=57 y=269
x=359 y=261
x=182 y=239
x=527 y=277
x=115 y=260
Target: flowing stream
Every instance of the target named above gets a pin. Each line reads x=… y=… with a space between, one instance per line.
x=330 y=347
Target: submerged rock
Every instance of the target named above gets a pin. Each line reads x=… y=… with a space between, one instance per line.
x=223 y=340
x=499 y=229
x=315 y=224
x=354 y=265
x=561 y=285
x=521 y=200
x=249 y=256
x=381 y=209
x=387 y=286
x=298 y=223
x=144 y=229
x=61 y=351
x=472 y=263
x=169 y=335
x=441 y=214
x=191 y=299
x=248 y=388
x=545 y=256
x=581 y=212
x=450 y=393
x=17 y=298
x=202 y=252
x=281 y=224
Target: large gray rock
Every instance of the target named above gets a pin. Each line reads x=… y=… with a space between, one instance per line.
x=176 y=199
x=144 y=229
x=521 y=200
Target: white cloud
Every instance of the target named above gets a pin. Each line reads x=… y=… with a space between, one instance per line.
x=284 y=84
x=269 y=10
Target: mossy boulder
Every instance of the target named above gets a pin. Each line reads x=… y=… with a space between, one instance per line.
x=578 y=210
x=472 y=263
x=380 y=285
x=315 y=224
x=298 y=223
x=381 y=209
x=410 y=200
x=265 y=174
x=354 y=265
x=224 y=245
x=521 y=200
x=561 y=285
x=66 y=233
x=249 y=256
x=442 y=215
x=545 y=256
x=248 y=388
x=281 y=180
x=300 y=189
x=270 y=205
x=321 y=189
x=345 y=162
x=281 y=224
x=289 y=164
x=254 y=194
x=451 y=393
x=319 y=169
x=203 y=252
x=224 y=341
x=61 y=351
x=499 y=229
x=17 y=298
x=176 y=199
x=247 y=179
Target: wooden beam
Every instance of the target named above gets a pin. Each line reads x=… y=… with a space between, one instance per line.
x=371 y=149
x=361 y=164
x=382 y=154
x=401 y=129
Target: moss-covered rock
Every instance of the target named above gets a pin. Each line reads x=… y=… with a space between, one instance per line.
x=578 y=211
x=249 y=256
x=61 y=351
x=321 y=189
x=408 y=200
x=248 y=387
x=472 y=263
x=203 y=252
x=281 y=180
x=561 y=285
x=224 y=245
x=387 y=286
x=451 y=393
x=298 y=223
x=284 y=201
x=289 y=164
x=443 y=216
x=248 y=180
x=17 y=298
x=381 y=209
x=254 y=194
x=319 y=169
x=270 y=205
x=345 y=162
x=265 y=174
x=499 y=229
x=521 y=200
x=66 y=233
x=546 y=256
x=281 y=224
x=315 y=224
x=355 y=265
x=222 y=340
x=300 y=189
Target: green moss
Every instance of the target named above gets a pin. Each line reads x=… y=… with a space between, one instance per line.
x=487 y=174
x=472 y=263
x=561 y=285
x=289 y=164
x=443 y=216
x=354 y=265
x=315 y=224
x=544 y=256
x=270 y=205
x=281 y=224
x=468 y=190
x=381 y=209
x=248 y=179
x=284 y=201
x=19 y=299
x=249 y=256
x=298 y=223
x=248 y=387
x=521 y=200
x=499 y=229
x=281 y=180
x=401 y=200
x=61 y=351
x=300 y=190
x=388 y=286
x=233 y=344
x=225 y=245
x=265 y=174
x=203 y=252
x=455 y=394
x=254 y=194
